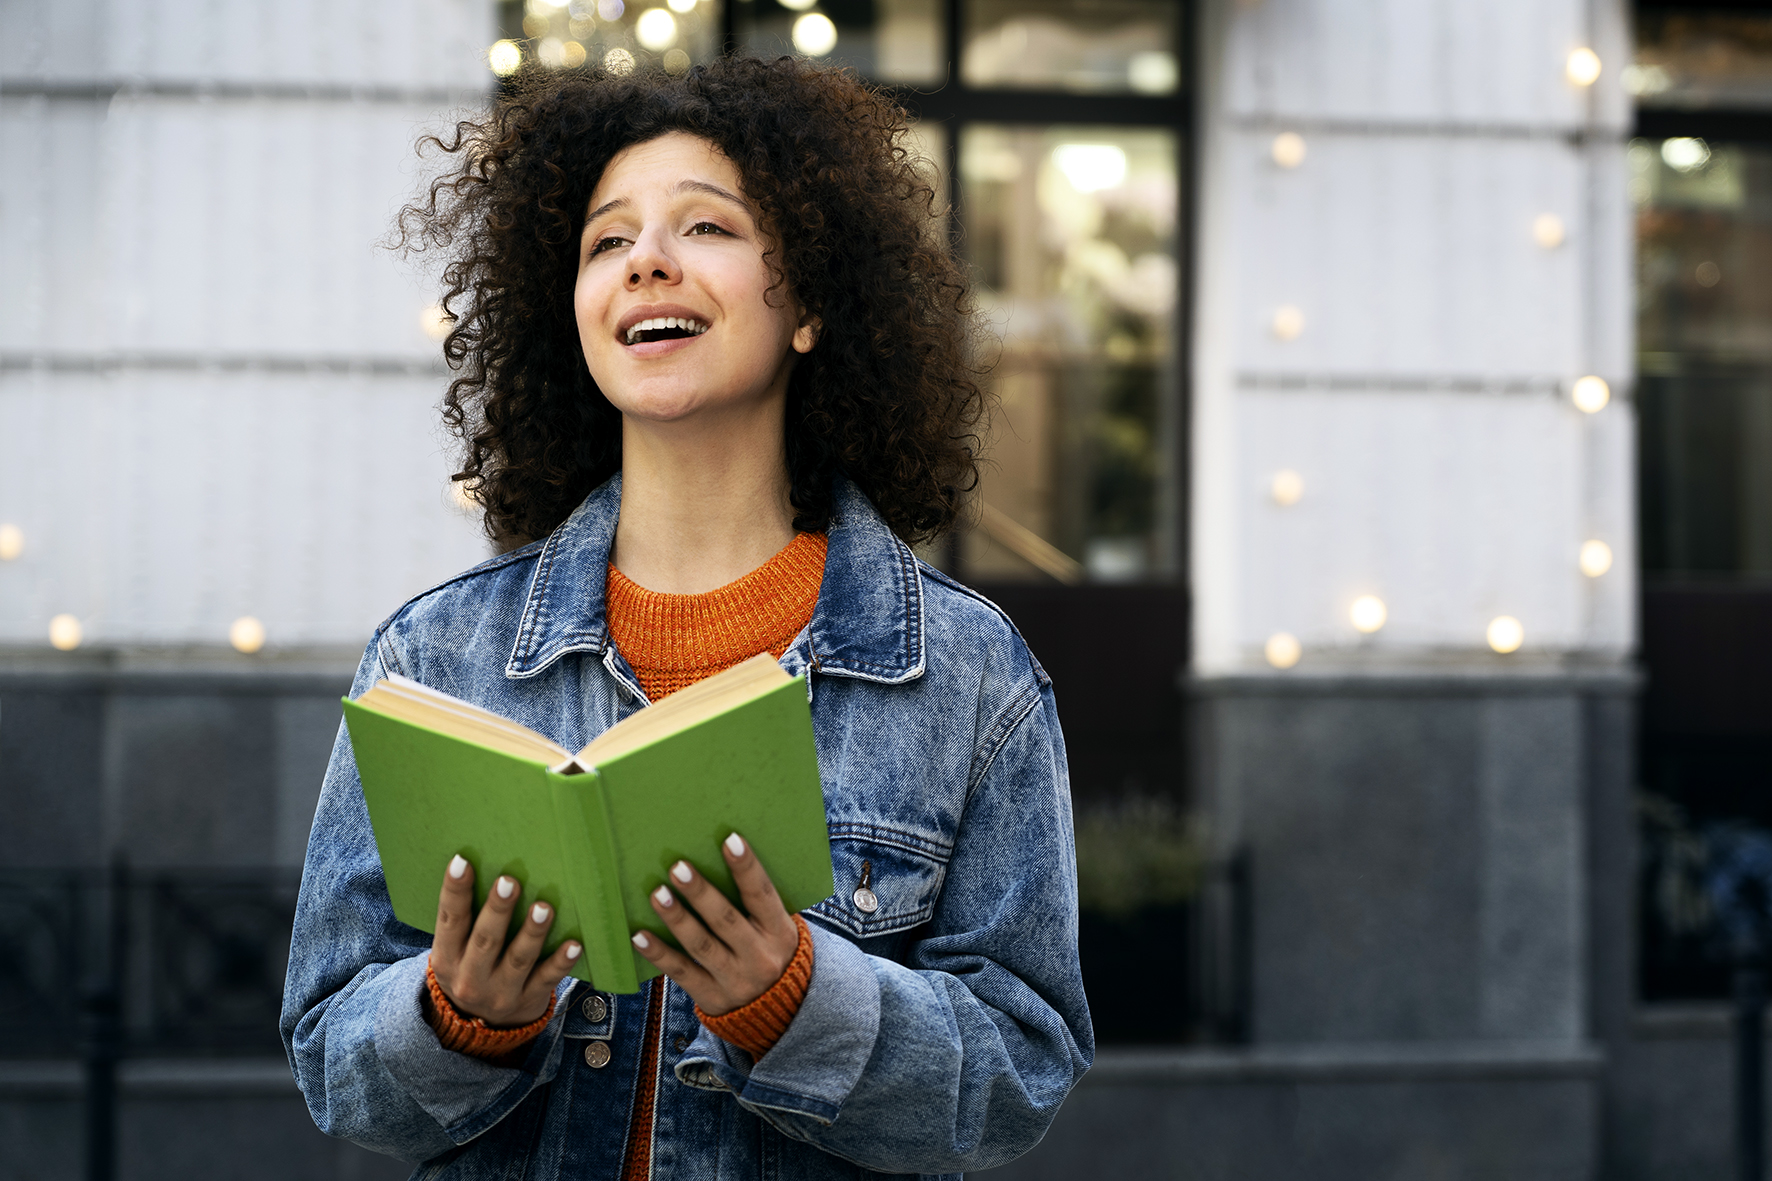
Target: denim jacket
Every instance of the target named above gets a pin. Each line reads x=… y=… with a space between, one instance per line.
x=941 y=1029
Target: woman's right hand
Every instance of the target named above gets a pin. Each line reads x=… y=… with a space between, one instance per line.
x=482 y=977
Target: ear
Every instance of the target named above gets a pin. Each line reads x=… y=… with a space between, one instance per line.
x=806 y=335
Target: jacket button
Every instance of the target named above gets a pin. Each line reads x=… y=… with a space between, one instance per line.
x=681 y=1044
x=597 y=1055
x=595 y=1009
x=866 y=901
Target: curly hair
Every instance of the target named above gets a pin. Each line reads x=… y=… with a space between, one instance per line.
x=887 y=395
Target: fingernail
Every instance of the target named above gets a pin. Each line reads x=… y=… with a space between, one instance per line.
x=735 y=845
x=573 y=951
x=506 y=887
x=457 y=866
x=682 y=872
x=539 y=912
x=662 y=896
x=640 y=940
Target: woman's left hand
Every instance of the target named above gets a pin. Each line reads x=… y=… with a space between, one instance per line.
x=737 y=956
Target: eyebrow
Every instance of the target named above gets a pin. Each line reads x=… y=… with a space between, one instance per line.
x=683 y=186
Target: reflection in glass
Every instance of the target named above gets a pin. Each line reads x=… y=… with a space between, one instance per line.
x=1070 y=233
x=674 y=34
x=1094 y=47
x=1701 y=59
x=885 y=40
x=1704 y=327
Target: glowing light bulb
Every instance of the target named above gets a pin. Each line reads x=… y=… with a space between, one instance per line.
x=504 y=57
x=1505 y=634
x=618 y=61
x=1282 y=650
x=1368 y=613
x=1596 y=558
x=1288 y=149
x=798 y=5
x=12 y=542
x=1590 y=394
x=436 y=322
x=572 y=55
x=1582 y=66
x=1091 y=167
x=1287 y=487
x=656 y=29
x=1547 y=231
x=64 y=633
x=1288 y=322
x=246 y=634
x=676 y=63
x=681 y=5
x=814 y=34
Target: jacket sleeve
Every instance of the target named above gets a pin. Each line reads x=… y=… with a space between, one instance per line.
x=369 y=1066
x=958 y=1058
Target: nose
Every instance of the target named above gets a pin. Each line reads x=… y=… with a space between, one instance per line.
x=650 y=259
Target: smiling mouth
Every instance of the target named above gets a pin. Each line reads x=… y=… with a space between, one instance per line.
x=665 y=328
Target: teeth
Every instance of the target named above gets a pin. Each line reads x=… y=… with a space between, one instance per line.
x=693 y=327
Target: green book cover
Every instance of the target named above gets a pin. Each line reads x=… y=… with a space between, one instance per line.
x=594 y=836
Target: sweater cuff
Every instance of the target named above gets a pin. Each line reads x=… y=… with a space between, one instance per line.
x=475 y=1038
x=756 y=1027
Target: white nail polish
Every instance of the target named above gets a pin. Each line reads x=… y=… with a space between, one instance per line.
x=506 y=887
x=539 y=912
x=682 y=872
x=573 y=951
x=457 y=866
x=735 y=845
x=640 y=940
x=662 y=896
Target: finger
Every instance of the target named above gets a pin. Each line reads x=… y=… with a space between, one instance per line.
x=755 y=888
x=525 y=946
x=722 y=919
x=487 y=940
x=689 y=975
x=455 y=913
x=548 y=974
x=706 y=950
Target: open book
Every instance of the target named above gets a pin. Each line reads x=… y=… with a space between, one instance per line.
x=594 y=833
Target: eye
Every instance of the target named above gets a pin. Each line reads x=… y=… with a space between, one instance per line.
x=602 y=244
x=706 y=227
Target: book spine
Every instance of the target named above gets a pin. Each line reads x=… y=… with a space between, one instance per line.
x=592 y=875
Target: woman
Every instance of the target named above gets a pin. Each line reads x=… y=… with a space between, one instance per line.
x=712 y=383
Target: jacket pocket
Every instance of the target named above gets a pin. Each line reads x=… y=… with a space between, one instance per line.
x=887 y=879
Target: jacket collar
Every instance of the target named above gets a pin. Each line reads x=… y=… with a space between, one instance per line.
x=868 y=621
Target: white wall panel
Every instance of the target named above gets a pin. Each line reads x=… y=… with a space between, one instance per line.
x=402 y=44
x=1453 y=508
x=1410 y=255
x=50 y=252
x=1497 y=62
x=158 y=507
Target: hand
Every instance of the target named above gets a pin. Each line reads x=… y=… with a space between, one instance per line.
x=737 y=957
x=503 y=986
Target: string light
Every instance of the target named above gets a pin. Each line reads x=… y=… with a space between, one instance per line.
x=12 y=542
x=656 y=29
x=504 y=58
x=247 y=634
x=1368 y=613
x=1505 y=634
x=1596 y=558
x=814 y=35
x=1582 y=67
x=1288 y=322
x=1282 y=650
x=1288 y=149
x=1547 y=231
x=1287 y=487
x=1590 y=394
x=64 y=633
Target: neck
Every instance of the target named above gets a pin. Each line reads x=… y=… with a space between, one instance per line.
x=702 y=503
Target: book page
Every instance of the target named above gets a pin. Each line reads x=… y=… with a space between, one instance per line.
x=742 y=682
x=422 y=705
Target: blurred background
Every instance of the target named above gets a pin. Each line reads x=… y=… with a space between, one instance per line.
x=1383 y=471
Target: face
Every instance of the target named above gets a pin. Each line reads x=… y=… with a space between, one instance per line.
x=673 y=300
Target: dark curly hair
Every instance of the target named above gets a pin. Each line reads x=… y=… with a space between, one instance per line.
x=887 y=395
